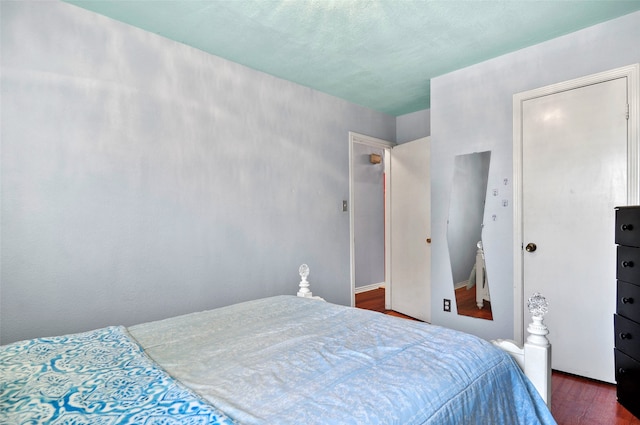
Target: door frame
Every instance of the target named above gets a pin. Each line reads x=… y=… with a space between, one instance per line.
x=387 y=146
x=632 y=73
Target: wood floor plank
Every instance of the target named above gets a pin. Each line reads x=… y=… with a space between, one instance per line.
x=466 y=304
x=371 y=300
x=578 y=400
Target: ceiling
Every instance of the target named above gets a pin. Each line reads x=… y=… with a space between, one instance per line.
x=380 y=54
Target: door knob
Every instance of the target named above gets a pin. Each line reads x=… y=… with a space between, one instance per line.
x=531 y=247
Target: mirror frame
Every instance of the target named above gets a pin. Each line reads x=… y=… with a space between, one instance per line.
x=464 y=232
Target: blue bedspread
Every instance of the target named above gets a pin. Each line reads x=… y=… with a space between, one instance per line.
x=280 y=360
x=100 y=377
x=290 y=360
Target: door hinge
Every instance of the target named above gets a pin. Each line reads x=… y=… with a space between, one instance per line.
x=627 y=111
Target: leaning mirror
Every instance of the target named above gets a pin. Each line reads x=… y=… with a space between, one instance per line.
x=464 y=234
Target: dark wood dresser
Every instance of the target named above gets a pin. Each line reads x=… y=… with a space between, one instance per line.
x=627 y=317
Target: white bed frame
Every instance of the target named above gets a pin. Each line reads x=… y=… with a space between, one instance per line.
x=482 y=284
x=534 y=357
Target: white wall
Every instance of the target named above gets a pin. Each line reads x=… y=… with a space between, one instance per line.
x=142 y=178
x=413 y=126
x=471 y=110
x=368 y=209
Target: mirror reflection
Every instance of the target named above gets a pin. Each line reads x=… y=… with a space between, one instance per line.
x=464 y=234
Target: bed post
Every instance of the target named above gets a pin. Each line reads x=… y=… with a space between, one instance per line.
x=304 y=291
x=304 y=284
x=535 y=357
x=482 y=285
x=537 y=349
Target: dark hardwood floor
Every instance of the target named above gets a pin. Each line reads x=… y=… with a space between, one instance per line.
x=374 y=300
x=371 y=300
x=466 y=304
x=581 y=401
x=574 y=400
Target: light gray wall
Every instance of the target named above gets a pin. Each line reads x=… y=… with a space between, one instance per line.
x=142 y=178
x=368 y=209
x=413 y=126
x=471 y=110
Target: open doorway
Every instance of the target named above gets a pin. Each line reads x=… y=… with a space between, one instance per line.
x=369 y=225
x=390 y=222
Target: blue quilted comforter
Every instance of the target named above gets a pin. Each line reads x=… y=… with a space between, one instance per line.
x=280 y=360
x=290 y=360
x=100 y=377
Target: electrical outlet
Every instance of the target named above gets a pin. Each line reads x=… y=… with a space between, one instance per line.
x=446 y=305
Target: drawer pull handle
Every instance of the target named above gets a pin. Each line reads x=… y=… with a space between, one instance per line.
x=625 y=335
x=626 y=300
x=627 y=264
x=625 y=227
x=622 y=371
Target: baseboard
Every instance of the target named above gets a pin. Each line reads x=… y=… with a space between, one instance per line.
x=371 y=287
x=460 y=284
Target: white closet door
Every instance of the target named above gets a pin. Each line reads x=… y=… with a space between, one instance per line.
x=574 y=172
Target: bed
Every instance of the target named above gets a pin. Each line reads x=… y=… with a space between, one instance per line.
x=481 y=282
x=478 y=278
x=278 y=360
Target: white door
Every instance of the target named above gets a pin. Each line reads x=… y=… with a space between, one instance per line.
x=411 y=229
x=574 y=172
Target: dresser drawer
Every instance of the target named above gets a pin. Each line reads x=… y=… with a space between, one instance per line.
x=628 y=301
x=628 y=380
x=628 y=226
x=627 y=334
x=628 y=268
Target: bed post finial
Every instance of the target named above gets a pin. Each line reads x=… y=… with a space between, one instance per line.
x=538 y=307
x=537 y=349
x=304 y=284
x=535 y=357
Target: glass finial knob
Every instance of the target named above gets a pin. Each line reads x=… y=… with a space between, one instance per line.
x=538 y=305
x=304 y=271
